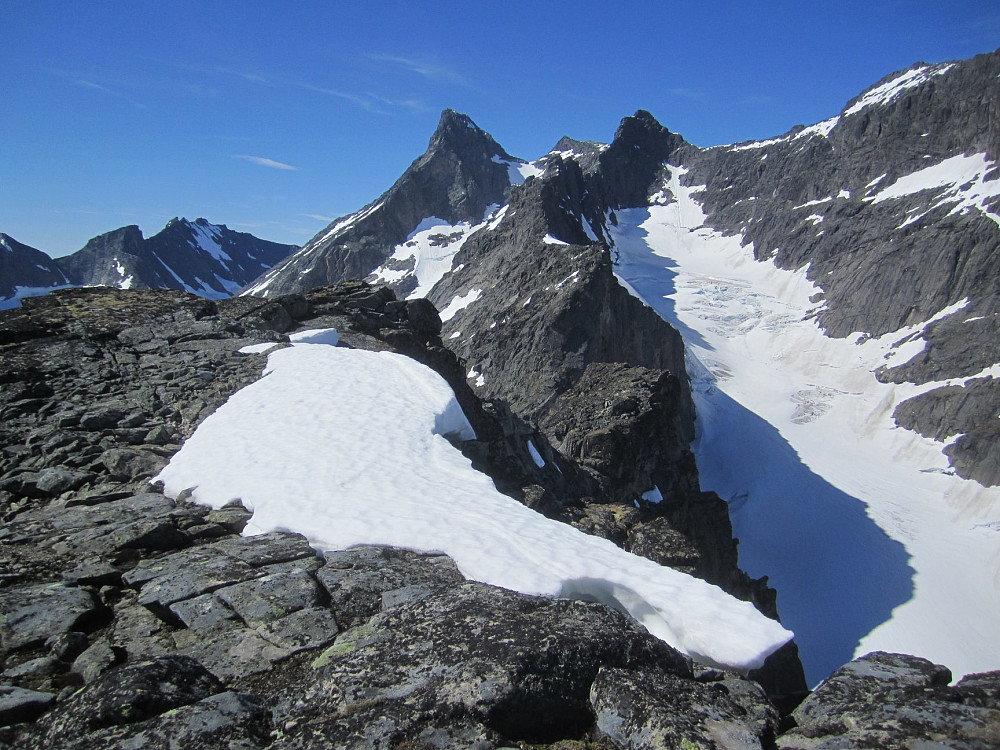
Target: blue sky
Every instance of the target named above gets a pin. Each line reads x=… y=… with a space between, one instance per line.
x=275 y=117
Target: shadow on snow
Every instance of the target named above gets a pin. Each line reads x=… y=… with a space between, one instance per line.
x=837 y=573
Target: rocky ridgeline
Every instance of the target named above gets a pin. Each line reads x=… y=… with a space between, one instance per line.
x=128 y=619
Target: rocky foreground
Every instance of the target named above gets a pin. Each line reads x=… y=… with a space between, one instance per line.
x=128 y=619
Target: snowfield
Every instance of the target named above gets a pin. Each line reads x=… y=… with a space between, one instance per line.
x=430 y=248
x=870 y=540
x=352 y=447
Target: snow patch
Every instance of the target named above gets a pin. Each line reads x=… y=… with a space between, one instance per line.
x=432 y=246
x=653 y=496
x=817 y=202
x=258 y=348
x=458 y=303
x=184 y=285
x=497 y=218
x=20 y=292
x=960 y=179
x=891 y=89
x=208 y=238
x=344 y=224
x=518 y=171
x=758 y=144
x=820 y=128
x=550 y=240
x=388 y=475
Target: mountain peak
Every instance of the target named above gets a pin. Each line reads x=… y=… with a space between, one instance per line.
x=641 y=127
x=451 y=118
x=458 y=133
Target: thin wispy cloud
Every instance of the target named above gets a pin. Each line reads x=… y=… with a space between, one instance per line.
x=363 y=102
x=262 y=162
x=414 y=105
x=249 y=77
x=429 y=70
x=371 y=102
x=320 y=217
x=95 y=87
x=684 y=93
x=86 y=83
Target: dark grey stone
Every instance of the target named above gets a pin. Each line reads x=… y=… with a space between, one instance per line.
x=67 y=646
x=18 y=704
x=525 y=675
x=356 y=579
x=186 y=574
x=302 y=630
x=230 y=653
x=205 y=611
x=234 y=720
x=130 y=694
x=31 y=614
x=93 y=662
x=56 y=480
x=648 y=710
x=271 y=597
x=893 y=700
x=43 y=666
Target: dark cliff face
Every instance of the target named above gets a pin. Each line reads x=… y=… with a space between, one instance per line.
x=892 y=204
x=107 y=260
x=546 y=303
x=24 y=266
x=206 y=259
x=462 y=172
x=635 y=158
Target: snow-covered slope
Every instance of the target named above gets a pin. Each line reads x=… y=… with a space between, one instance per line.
x=388 y=474
x=426 y=255
x=869 y=538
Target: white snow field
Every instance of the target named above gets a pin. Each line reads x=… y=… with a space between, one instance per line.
x=350 y=447
x=870 y=540
x=432 y=247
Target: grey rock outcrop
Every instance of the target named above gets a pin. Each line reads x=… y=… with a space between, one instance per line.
x=894 y=700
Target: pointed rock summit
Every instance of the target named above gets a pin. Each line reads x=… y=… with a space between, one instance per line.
x=635 y=158
x=462 y=174
x=458 y=134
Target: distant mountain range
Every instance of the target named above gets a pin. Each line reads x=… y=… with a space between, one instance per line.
x=206 y=259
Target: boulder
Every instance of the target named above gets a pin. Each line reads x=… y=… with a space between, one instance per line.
x=31 y=614
x=896 y=700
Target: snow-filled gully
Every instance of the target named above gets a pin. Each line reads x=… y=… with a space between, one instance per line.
x=349 y=447
x=871 y=542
